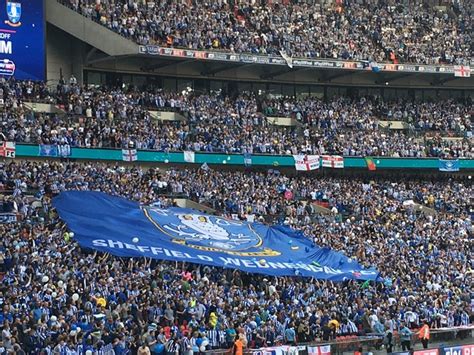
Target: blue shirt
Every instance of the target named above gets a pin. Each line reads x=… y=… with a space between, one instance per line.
x=290 y=334
x=405 y=334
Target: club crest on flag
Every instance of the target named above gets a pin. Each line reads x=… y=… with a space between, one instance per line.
x=13 y=13
x=209 y=233
x=448 y=165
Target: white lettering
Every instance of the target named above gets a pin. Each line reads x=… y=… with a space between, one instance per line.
x=99 y=243
x=177 y=254
x=248 y=263
x=315 y=268
x=303 y=266
x=130 y=246
x=205 y=258
x=115 y=244
x=156 y=251
x=228 y=261
x=276 y=265
x=142 y=248
x=6 y=47
x=330 y=270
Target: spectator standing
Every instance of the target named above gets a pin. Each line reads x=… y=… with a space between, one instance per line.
x=424 y=334
x=405 y=337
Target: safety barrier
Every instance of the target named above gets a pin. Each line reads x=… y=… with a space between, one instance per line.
x=258 y=160
x=449 y=341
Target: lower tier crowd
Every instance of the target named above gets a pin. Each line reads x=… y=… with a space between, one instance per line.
x=56 y=298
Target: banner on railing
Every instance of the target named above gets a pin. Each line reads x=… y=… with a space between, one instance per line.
x=294 y=350
x=8 y=218
x=453 y=350
x=448 y=165
x=300 y=62
x=7 y=149
x=306 y=162
x=189 y=156
x=333 y=161
x=426 y=352
x=319 y=350
x=54 y=150
x=467 y=349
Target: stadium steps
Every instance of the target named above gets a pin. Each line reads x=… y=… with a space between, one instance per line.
x=410 y=204
x=88 y=31
x=396 y=125
x=321 y=209
x=186 y=203
x=283 y=121
x=43 y=108
x=425 y=210
x=166 y=116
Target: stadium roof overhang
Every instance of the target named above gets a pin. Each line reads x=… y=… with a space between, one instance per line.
x=252 y=72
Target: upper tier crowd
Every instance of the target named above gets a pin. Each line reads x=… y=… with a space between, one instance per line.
x=351 y=30
x=59 y=299
x=119 y=118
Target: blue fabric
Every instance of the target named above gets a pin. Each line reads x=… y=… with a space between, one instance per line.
x=126 y=229
x=448 y=165
x=247 y=159
x=48 y=150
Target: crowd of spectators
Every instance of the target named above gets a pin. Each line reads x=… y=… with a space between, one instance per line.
x=362 y=30
x=114 y=118
x=59 y=299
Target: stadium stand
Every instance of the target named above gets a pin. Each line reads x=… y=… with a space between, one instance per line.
x=145 y=300
x=217 y=123
x=344 y=125
x=345 y=30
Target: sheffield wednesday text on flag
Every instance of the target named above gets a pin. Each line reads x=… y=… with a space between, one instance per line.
x=124 y=228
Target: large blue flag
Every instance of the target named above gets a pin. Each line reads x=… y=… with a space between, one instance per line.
x=127 y=229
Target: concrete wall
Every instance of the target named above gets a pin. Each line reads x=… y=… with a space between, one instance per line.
x=88 y=31
x=393 y=124
x=63 y=53
x=282 y=121
x=44 y=108
x=166 y=116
